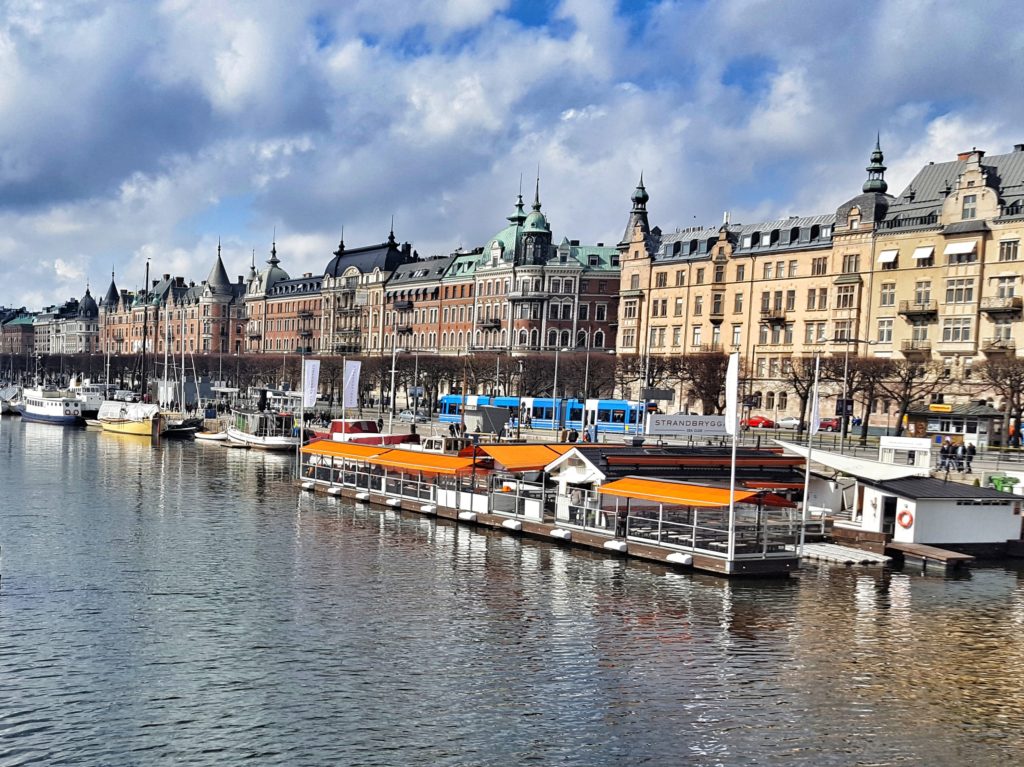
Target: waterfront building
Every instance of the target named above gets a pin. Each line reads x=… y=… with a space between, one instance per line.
x=931 y=275
x=18 y=335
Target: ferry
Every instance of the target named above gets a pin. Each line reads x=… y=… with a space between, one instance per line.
x=90 y=397
x=264 y=430
x=48 y=405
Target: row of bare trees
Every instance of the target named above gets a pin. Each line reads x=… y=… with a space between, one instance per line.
x=700 y=377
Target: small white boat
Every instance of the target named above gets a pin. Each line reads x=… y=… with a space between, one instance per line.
x=50 y=406
x=212 y=436
x=264 y=430
x=9 y=399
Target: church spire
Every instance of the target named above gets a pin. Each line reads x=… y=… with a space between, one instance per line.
x=876 y=170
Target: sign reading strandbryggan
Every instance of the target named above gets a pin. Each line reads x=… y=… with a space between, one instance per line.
x=687 y=425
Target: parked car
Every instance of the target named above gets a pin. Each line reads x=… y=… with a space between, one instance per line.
x=829 y=424
x=407 y=416
x=757 y=422
x=789 y=422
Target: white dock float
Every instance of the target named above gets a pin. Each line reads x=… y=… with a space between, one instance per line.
x=843 y=555
x=428 y=508
x=619 y=546
x=467 y=516
x=394 y=503
x=364 y=496
x=562 y=535
x=334 y=491
x=678 y=558
x=512 y=524
x=308 y=485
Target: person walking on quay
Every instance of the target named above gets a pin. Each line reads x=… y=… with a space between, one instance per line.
x=945 y=455
x=971 y=452
x=961 y=456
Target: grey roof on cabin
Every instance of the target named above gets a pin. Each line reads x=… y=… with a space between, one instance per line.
x=973 y=409
x=919 y=488
x=1006 y=172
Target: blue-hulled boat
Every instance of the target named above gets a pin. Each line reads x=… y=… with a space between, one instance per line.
x=50 y=406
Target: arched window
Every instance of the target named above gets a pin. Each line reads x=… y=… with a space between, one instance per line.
x=552 y=338
x=565 y=338
x=769 y=400
x=522 y=337
x=581 y=339
x=599 y=339
x=535 y=338
x=783 y=400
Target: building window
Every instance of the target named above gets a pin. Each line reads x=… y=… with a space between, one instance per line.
x=885 y=331
x=677 y=335
x=680 y=278
x=762 y=335
x=843 y=328
x=661 y=279
x=767 y=270
x=599 y=339
x=956 y=329
x=600 y=312
x=1008 y=250
x=970 y=209
x=696 y=336
x=741 y=272
x=923 y=292
x=851 y=263
x=634 y=282
x=719 y=272
x=700 y=276
x=584 y=311
x=819 y=266
x=969 y=257
x=698 y=306
x=1002 y=330
x=717 y=301
x=1006 y=287
x=790 y=300
x=812 y=295
x=960 y=291
x=629 y=310
x=678 y=307
x=846 y=296
x=737 y=303
x=887 y=294
x=737 y=334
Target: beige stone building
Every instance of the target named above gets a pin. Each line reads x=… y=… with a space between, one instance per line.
x=932 y=274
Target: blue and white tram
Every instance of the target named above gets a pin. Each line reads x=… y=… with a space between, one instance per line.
x=616 y=416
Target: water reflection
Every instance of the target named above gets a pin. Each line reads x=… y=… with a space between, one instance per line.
x=185 y=603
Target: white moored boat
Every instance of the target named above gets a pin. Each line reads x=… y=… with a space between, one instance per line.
x=50 y=406
x=264 y=430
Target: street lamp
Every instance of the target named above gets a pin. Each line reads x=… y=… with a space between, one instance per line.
x=846 y=374
x=554 y=395
x=391 y=391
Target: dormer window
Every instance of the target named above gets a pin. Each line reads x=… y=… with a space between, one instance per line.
x=852 y=221
x=970 y=209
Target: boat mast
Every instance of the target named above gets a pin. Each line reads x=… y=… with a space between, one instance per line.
x=145 y=329
x=183 y=358
x=167 y=344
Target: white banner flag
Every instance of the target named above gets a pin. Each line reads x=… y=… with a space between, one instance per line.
x=350 y=390
x=732 y=390
x=310 y=382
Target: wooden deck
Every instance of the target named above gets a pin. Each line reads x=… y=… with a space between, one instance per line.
x=928 y=556
x=773 y=566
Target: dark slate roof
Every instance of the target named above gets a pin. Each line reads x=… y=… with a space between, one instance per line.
x=298 y=286
x=87 y=306
x=966 y=227
x=218 y=281
x=112 y=296
x=917 y=488
x=387 y=257
x=927 y=187
x=418 y=272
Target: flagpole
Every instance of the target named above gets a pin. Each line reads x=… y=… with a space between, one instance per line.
x=302 y=416
x=814 y=424
x=732 y=425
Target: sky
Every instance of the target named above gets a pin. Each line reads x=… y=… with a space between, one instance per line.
x=152 y=130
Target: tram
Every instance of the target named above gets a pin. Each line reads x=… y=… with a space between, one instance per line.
x=610 y=415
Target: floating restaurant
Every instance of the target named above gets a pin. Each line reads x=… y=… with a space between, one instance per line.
x=666 y=504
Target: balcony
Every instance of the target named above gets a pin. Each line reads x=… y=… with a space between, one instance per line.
x=921 y=348
x=254 y=333
x=527 y=295
x=305 y=315
x=919 y=308
x=707 y=349
x=348 y=331
x=347 y=348
x=773 y=315
x=403 y=329
x=717 y=316
x=305 y=333
x=999 y=346
x=489 y=323
x=403 y=306
x=1002 y=305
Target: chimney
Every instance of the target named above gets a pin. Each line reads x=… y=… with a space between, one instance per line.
x=967 y=155
x=1018 y=147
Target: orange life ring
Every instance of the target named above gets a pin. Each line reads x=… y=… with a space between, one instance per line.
x=905 y=519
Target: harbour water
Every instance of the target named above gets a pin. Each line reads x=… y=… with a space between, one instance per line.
x=186 y=604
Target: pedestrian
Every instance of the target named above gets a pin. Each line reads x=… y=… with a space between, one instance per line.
x=621 y=521
x=945 y=455
x=573 y=435
x=961 y=456
x=529 y=421
x=971 y=452
x=451 y=429
x=380 y=424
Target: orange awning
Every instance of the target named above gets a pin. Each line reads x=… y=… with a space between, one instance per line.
x=521 y=457
x=676 y=493
x=343 y=449
x=428 y=463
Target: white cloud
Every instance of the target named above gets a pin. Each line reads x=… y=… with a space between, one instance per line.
x=67 y=271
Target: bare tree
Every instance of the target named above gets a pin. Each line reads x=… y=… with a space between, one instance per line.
x=704 y=375
x=909 y=381
x=798 y=375
x=1006 y=377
